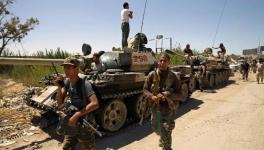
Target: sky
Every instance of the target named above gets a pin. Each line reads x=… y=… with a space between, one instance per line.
x=70 y=23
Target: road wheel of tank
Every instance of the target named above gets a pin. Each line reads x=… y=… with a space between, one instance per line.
x=141 y=107
x=184 y=92
x=192 y=84
x=114 y=115
x=211 y=81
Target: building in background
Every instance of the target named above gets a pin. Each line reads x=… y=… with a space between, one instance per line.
x=254 y=53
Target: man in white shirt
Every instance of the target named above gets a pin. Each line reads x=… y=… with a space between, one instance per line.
x=126 y=14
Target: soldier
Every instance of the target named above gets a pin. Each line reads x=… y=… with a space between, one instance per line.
x=222 y=51
x=260 y=71
x=162 y=90
x=244 y=68
x=126 y=14
x=85 y=100
x=208 y=52
x=201 y=74
x=97 y=65
x=188 y=54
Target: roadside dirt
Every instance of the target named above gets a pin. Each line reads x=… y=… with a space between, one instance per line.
x=225 y=118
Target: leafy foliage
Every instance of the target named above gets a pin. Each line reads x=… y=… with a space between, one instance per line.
x=11 y=28
x=53 y=54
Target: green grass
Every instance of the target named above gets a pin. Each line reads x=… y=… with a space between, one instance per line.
x=31 y=75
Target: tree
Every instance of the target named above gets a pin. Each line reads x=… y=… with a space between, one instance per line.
x=11 y=28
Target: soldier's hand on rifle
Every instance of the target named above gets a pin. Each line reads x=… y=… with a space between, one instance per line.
x=157 y=98
x=74 y=119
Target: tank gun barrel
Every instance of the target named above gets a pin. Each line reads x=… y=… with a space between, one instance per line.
x=173 y=53
x=30 y=61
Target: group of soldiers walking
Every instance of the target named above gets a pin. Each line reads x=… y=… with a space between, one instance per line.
x=257 y=67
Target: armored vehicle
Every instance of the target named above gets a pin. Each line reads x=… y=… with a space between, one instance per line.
x=188 y=84
x=217 y=69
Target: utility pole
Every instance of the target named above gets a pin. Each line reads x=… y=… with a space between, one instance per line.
x=170 y=38
x=159 y=37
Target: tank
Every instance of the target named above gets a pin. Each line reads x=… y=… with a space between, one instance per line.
x=217 y=69
x=120 y=88
x=184 y=74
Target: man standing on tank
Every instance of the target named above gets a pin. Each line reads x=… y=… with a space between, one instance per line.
x=126 y=14
x=222 y=51
x=162 y=90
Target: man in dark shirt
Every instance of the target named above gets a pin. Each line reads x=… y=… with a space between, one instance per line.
x=188 y=53
x=222 y=51
x=244 y=69
x=86 y=102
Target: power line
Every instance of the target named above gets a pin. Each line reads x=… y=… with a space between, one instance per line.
x=219 y=21
x=143 y=16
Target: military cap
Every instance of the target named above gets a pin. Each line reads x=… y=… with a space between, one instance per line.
x=71 y=61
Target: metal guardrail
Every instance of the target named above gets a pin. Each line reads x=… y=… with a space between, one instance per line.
x=30 y=61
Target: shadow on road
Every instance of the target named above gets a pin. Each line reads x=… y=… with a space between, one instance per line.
x=220 y=86
x=135 y=132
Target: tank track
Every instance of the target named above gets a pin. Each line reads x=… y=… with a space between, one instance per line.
x=30 y=102
x=121 y=95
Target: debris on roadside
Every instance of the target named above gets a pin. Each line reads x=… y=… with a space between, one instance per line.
x=16 y=116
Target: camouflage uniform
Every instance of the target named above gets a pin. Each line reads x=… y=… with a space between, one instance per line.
x=260 y=72
x=73 y=135
x=169 y=86
x=85 y=137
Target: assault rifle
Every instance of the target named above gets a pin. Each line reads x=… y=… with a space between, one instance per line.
x=60 y=82
x=67 y=109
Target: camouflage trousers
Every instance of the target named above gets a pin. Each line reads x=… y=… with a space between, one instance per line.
x=167 y=124
x=87 y=141
x=259 y=77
